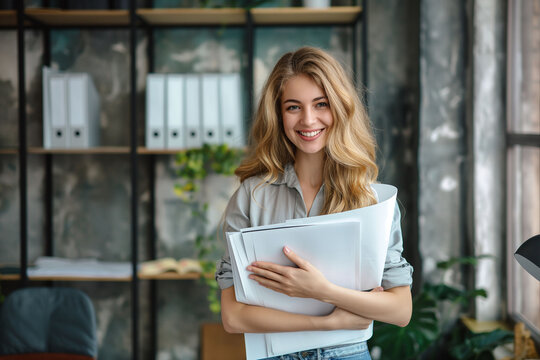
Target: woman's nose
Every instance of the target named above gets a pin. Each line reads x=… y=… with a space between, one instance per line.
x=309 y=116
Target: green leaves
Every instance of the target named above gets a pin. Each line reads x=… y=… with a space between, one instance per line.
x=479 y=346
x=464 y=260
x=424 y=329
x=193 y=166
x=197 y=163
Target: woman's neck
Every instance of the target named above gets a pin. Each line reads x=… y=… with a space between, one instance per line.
x=309 y=169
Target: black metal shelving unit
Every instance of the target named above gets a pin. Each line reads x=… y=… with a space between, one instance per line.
x=24 y=20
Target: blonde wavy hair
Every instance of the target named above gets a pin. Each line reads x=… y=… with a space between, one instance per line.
x=349 y=165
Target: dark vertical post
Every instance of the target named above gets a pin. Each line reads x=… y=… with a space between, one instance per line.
x=355 y=47
x=365 y=60
x=22 y=145
x=250 y=54
x=49 y=234
x=134 y=183
x=152 y=213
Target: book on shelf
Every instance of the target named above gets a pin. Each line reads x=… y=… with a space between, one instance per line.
x=170 y=265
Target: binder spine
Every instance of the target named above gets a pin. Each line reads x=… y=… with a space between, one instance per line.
x=155 y=111
x=175 y=127
x=230 y=106
x=210 y=109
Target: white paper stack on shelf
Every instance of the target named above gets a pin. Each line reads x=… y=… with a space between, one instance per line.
x=349 y=248
x=55 y=266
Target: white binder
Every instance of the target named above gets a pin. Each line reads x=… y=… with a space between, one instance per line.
x=155 y=111
x=83 y=111
x=210 y=109
x=175 y=112
x=230 y=109
x=193 y=117
x=47 y=121
x=58 y=125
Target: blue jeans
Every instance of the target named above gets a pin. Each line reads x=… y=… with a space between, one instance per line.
x=357 y=351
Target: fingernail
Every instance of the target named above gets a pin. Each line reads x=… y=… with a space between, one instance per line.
x=286 y=250
x=249 y=268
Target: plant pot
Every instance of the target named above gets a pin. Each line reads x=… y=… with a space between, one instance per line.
x=218 y=344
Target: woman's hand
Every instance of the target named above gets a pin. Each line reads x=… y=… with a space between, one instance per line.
x=304 y=281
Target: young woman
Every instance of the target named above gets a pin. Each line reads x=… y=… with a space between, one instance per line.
x=312 y=153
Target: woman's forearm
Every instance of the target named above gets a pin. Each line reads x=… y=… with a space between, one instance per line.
x=393 y=306
x=243 y=318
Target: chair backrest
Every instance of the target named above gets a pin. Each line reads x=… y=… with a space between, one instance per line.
x=48 y=320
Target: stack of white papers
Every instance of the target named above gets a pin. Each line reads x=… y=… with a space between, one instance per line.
x=55 y=266
x=349 y=248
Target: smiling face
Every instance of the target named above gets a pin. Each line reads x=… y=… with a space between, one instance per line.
x=306 y=114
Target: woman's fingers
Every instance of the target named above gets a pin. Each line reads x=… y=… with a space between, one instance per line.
x=263 y=272
x=301 y=263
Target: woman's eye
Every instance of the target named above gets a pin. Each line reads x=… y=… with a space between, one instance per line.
x=322 y=104
x=293 y=107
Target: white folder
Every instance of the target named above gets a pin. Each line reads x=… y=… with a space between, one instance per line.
x=155 y=111
x=230 y=106
x=47 y=121
x=58 y=111
x=193 y=111
x=175 y=138
x=210 y=109
x=83 y=111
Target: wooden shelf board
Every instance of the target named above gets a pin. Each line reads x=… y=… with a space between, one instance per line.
x=144 y=150
x=302 y=15
x=96 y=150
x=9 y=277
x=193 y=16
x=171 y=276
x=165 y=276
x=9 y=151
x=79 y=17
x=8 y=18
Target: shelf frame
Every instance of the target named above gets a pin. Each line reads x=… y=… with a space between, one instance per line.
x=134 y=19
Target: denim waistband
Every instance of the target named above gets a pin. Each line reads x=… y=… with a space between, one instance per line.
x=329 y=352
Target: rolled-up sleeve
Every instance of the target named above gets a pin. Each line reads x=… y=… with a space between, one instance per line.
x=236 y=218
x=397 y=271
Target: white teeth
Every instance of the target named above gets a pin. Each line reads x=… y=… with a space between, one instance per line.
x=310 y=133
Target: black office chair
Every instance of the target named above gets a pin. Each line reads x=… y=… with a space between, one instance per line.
x=48 y=323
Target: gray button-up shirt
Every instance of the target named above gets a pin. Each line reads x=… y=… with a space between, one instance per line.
x=282 y=200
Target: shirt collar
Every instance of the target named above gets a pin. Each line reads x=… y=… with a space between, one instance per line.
x=288 y=177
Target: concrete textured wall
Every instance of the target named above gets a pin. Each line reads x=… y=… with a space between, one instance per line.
x=442 y=151
x=489 y=148
x=393 y=98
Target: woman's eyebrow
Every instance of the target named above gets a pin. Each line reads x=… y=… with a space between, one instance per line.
x=298 y=102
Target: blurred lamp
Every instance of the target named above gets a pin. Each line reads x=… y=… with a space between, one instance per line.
x=528 y=256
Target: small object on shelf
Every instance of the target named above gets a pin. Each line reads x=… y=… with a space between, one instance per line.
x=164 y=265
x=47 y=266
x=523 y=344
x=317 y=4
x=71 y=109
